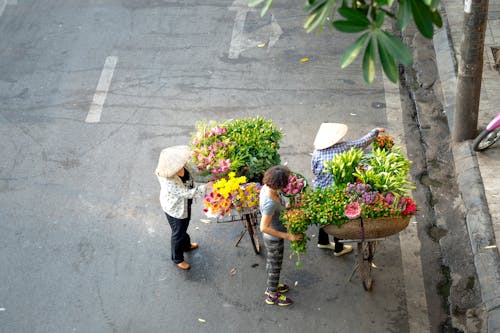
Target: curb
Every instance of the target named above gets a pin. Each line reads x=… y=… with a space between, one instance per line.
x=478 y=218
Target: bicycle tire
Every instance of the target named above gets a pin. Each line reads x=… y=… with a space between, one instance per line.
x=366 y=251
x=252 y=232
x=486 y=139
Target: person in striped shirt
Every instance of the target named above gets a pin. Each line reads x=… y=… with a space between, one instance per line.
x=327 y=144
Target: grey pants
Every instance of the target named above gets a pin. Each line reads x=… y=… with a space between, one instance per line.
x=273 y=263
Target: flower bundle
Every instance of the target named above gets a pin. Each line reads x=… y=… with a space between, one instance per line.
x=366 y=186
x=232 y=193
x=247 y=146
x=296 y=184
x=373 y=204
x=210 y=150
x=296 y=225
x=383 y=142
x=248 y=197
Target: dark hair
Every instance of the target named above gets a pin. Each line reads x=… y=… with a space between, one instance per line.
x=276 y=177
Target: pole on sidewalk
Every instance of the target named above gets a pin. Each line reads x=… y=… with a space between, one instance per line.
x=470 y=70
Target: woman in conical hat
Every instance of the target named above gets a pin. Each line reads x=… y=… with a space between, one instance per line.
x=176 y=196
x=327 y=144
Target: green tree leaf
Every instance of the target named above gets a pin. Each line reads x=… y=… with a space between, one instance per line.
x=404 y=14
x=349 y=26
x=434 y=4
x=379 y=18
x=353 y=50
x=355 y=15
x=399 y=51
x=436 y=18
x=422 y=17
x=255 y=3
x=319 y=14
x=388 y=64
x=369 y=62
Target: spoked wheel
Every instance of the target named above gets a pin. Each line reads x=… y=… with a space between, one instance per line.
x=486 y=139
x=251 y=225
x=366 y=251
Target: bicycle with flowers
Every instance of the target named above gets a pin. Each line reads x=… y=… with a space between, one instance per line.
x=235 y=151
x=233 y=199
x=369 y=201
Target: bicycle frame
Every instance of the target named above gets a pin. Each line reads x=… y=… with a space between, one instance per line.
x=494 y=123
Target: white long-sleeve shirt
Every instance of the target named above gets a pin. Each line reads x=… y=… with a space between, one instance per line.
x=174 y=195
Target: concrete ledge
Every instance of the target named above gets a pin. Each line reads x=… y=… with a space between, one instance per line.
x=480 y=229
x=494 y=321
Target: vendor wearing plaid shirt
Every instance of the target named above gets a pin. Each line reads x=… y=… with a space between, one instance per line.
x=327 y=144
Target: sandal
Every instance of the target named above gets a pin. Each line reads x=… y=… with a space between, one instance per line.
x=184 y=265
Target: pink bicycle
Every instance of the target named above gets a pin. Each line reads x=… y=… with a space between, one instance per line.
x=489 y=136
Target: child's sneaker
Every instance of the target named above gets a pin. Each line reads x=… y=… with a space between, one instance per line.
x=280 y=300
x=282 y=288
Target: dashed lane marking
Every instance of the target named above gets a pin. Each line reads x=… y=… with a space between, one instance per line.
x=94 y=115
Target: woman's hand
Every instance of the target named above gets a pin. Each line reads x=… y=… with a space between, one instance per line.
x=295 y=237
x=381 y=130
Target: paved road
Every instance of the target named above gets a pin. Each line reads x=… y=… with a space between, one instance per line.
x=91 y=92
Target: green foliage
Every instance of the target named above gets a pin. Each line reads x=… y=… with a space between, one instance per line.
x=249 y=146
x=386 y=171
x=368 y=17
x=343 y=166
x=257 y=145
x=324 y=206
x=296 y=223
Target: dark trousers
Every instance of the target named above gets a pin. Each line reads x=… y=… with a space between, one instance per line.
x=180 y=240
x=274 y=260
x=324 y=239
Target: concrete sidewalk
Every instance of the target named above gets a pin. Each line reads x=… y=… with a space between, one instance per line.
x=476 y=172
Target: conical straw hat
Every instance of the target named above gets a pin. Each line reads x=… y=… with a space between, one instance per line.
x=171 y=160
x=329 y=134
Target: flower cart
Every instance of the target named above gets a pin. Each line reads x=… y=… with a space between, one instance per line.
x=367 y=202
x=375 y=197
x=235 y=153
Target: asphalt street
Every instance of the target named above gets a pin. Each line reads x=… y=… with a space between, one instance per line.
x=90 y=92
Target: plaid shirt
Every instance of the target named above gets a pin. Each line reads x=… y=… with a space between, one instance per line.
x=324 y=179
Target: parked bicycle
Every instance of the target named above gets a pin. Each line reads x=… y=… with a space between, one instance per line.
x=489 y=136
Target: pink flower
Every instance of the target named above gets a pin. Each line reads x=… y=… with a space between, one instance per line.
x=389 y=198
x=352 y=210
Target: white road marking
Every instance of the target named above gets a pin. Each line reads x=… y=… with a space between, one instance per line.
x=416 y=302
x=94 y=115
x=4 y=3
x=241 y=41
x=236 y=46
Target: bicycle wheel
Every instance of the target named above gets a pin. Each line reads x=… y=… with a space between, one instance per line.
x=252 y=231
x=486 y=139
x=366 y=251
